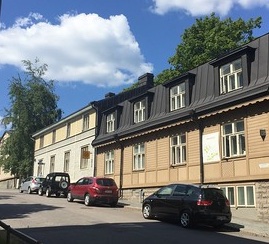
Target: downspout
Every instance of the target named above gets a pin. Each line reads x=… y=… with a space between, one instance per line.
x=200 y=126
x=117 y=140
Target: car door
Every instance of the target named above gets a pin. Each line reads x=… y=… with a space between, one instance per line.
x=26 y=183
x=77 y=189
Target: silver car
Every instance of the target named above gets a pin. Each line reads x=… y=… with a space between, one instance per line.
x=31 y=184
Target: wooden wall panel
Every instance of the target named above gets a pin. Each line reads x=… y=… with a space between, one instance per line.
x=193 y=150
x=151 y=155
x=163 y=156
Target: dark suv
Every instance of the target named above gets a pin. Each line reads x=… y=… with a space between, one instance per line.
x=55 y=183
x=190 y=204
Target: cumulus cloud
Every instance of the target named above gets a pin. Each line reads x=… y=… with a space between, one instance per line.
x=204 y=7
x=82 y=47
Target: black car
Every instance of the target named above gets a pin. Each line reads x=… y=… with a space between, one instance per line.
x=55 y=183
x=190 y=204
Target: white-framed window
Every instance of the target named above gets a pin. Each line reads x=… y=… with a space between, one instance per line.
x=53 y=136
x=245 y=196
x=85 y=155
x=177 y=97
x=178 y=149
x=66 y=161
x=86 y=122
x=233 y=139
x=109 y=162
x=52 y=163
x=231 y=77
x=139 y=156
x=140 y=111
x=229 y=192
x=110 y=122
x=41 y=141
x=68 y=130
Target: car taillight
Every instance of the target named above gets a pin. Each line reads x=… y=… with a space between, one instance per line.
x=34 y=181
x=204 y=202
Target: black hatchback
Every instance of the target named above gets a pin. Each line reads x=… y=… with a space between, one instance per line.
x=190 y=204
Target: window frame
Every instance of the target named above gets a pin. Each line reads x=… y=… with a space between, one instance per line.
x=229 y=146
x=177 y=100
x=86 y=122
x=111 y=122
x=66 y=161
x=139 y=157
x=109 y=162
x=68 y=129
x=246 y=194
x=140 y=113
x=84 y=162
x=176 y=149
x=52 y=163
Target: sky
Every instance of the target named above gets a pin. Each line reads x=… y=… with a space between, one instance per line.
x=93 y=47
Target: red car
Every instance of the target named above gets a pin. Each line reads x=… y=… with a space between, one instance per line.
x=94 y=190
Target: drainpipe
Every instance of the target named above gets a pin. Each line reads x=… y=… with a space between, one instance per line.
x=200 y=126
x=117 y=140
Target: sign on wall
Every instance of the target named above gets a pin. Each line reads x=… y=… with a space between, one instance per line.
x=211 y=151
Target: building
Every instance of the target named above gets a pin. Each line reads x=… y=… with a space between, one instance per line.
x=65 y=146
x=208 y=126
x=7 y=180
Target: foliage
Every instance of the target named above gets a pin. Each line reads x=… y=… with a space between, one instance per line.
x=208 y=38
x=33 y=107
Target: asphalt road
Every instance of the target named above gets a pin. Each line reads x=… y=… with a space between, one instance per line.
x=54 y=220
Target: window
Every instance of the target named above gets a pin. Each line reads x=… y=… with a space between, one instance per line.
x=85 y=155
x=177 y=97
x=68 y=129
x=245 y=196
x=110 y=122
x=140 y=111
x=52 y=163
x=66 y=161
x=109 y=162
x=139 y=156
x=178 y=149
x=53 y=136
x=86 y=122
x=233 y=139
x=230 y=194
x=231 y=77
x=41 y=142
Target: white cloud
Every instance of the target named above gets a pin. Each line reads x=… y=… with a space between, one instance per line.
x=82 y=47
x=205 y=7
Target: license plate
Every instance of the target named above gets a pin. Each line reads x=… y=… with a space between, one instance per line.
x=108 y=191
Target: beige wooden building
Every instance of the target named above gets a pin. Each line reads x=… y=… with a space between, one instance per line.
x=208 y=126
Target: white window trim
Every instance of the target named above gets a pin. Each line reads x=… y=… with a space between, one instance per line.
x=140 y=111
x=177 y=159
x=177 y=100
x=139 y=157
x=109 y=162
x=110 y=123
x=86 y=122
x=245 y=196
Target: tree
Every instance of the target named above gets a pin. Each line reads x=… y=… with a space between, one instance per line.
x=208 y=38
x=33 y=107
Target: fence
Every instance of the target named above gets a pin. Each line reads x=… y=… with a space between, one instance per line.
x=19 y=236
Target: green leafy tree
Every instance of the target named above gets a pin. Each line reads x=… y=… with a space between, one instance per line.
x=208 y=38
x=33 y=107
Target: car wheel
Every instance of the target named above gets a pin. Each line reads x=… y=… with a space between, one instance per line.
x=29 y=190
x=48 y=192
x=87 y=200
x=69 y=197
x=63 y=184
x=40 y=192
x=185 y=219
x=147 y=213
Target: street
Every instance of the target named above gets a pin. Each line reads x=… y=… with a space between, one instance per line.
x=54 y=220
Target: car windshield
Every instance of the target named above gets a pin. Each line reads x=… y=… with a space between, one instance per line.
x=211 y=193
x=105 y=182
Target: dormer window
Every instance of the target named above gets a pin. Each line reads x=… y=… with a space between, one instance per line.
x=140 y=111
x=177 y=97
x=231 y=76
x=110 y=122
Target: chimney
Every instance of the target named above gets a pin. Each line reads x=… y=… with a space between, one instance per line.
x=146 y=80
x=110 y=94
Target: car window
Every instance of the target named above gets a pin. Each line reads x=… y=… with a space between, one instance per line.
x=165 y=191
x=105 y=182
x=80 y=181
x=86 y=181
x=180 y=190
x=211 y=193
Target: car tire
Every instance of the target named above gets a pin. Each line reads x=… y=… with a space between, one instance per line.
x=87 y=200
x=147 y=212
x=40 y=192
x=29 y=190
x=48 y=192
x=69 y=197
x=185 y=219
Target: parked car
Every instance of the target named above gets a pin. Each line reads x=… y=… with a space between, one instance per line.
x=31 y=184
x=190 y=204
x=94 y=190
x=55 y=183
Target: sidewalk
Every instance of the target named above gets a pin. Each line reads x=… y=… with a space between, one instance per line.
x=252 y=227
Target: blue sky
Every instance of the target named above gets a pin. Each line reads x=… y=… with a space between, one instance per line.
x=93 y=47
